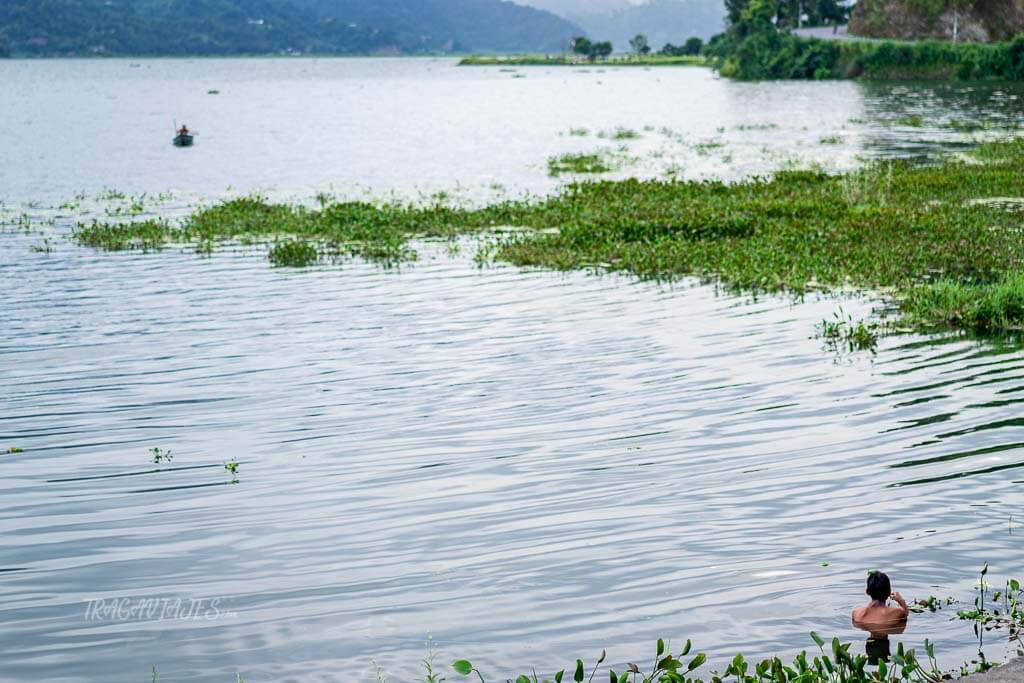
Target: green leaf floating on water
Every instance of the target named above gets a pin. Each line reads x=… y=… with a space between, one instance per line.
x=462 y=666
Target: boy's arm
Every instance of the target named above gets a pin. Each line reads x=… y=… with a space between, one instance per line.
x=903 y=608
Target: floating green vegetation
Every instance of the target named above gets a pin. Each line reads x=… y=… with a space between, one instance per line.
x=577 y=163
x=231 y=467
x=619 y=133
x=931 y=604
x=913 y=121
x=705 y=148
x=833 y=664
x=45 y=248
x=13 y=450
x=1002 y=610
x=930 y=235
x=293 y=254
x=969 y=126
x=160 y=455
x=579 y=132
x=831 y=140
x=842 y=330
x=757 y=126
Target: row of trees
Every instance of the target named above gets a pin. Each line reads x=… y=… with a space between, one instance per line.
x=692 y=46
x=591 y=50
x=639 y=44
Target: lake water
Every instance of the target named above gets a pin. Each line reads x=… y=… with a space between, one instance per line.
x=526 y=466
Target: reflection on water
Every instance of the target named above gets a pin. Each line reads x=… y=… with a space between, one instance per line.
x=528 y=466
x=877 y=647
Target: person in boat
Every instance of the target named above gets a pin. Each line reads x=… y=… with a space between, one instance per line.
x=879 y=615
x=183 y=132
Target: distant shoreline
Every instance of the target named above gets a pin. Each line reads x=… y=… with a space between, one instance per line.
x=577 y=61
x=22 y=57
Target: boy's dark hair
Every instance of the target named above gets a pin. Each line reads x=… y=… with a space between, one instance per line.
x=879 y=587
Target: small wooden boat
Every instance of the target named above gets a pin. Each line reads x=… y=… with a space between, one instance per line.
x=183 y=140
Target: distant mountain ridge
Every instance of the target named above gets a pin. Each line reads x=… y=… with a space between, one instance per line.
x=225 y=27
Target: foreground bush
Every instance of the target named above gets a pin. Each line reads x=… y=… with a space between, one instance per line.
x=836 y=665
x=754 y=49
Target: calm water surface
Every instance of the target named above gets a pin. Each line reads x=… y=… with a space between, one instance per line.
x=527 y=466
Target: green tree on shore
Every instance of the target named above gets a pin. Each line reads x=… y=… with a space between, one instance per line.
x=603 y=50
x=692 y=46
x=640 y=45
x=582 y=46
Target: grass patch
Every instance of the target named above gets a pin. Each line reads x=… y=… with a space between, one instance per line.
x=843 y=331
x=910 y=121
x=928 y=234
x=620 y=133
x=990 y=306
x=293 y=254
x=577 y=163
x=830 y=140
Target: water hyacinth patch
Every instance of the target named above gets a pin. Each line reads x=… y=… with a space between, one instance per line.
x=926 y=235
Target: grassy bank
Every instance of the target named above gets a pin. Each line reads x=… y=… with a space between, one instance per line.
x=782 y=56
x=575 y=60
x=945 y=240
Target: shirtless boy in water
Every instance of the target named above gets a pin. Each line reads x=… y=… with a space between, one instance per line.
x=877 y=614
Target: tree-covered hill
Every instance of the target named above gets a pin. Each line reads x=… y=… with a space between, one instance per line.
x=211 y=27
x=478 y=25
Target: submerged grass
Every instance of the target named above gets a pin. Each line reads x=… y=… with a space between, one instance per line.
x=293 y=253
x=917 y=232
x=577 y=163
